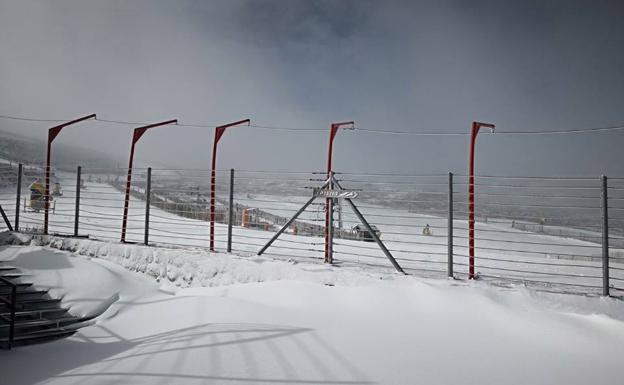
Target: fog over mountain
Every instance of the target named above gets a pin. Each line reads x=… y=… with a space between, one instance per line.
x=407 y=66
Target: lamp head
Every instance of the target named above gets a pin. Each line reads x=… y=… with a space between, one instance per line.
x=345 y=125
x=479 y=125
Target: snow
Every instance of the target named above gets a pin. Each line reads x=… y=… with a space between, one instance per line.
x=192 y=268
x=295 y=328
x=84 y=286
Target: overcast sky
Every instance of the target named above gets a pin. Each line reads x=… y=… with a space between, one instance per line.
x=409 y=66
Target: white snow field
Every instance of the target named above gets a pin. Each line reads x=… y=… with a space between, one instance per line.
x=503 y=252
x=293 y=328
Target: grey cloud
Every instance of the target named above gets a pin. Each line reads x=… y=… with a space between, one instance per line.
x=417 y=66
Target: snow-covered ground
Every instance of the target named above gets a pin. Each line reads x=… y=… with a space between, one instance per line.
x=362 y=329
x=503 y=252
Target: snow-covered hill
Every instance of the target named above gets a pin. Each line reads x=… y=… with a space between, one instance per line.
x=301 y=331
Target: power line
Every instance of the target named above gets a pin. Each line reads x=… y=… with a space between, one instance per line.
x=289 y=128
x=32 y=119
x=255 y=126
x=122 y=122
x=574 y=131
x=182 y=124
x=617 y=127
x=411 y=133
x=537 y=132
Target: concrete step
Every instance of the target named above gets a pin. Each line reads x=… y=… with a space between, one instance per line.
x=37 y=337
x=22 y=326
x=11 y=275
x=21 y=288
x=24 y=293
x=32 y=303
x=38 y=318
x=7 y=289
x=36 y=313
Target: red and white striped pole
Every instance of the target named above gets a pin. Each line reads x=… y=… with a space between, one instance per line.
x=219 y=131
x=474 y=130
x=52 y=134
x=333 y=130
x=136 y=135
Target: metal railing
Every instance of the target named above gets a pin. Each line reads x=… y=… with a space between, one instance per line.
x=12 y=303
x=562 y=234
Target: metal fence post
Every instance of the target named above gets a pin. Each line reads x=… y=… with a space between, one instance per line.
x=330 y=224
x=13 y=309
x=7 y=222
x=230 y=212
x=605 y=237
x=19 y=196
x=148 y=194
x=77 y=208
x=450 y=225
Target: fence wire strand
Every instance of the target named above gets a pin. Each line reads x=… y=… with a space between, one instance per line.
x=536 y=230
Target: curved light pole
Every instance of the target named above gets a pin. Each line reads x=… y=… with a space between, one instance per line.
x=52 y=134
x=474 y=130
x=137 y=134
x=333 y=130
x=219 y=131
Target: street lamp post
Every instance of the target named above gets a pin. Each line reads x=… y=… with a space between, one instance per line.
x=474 y=130
x=219 y=131
x=333 y=130
x=52 y=134
x=137 y=134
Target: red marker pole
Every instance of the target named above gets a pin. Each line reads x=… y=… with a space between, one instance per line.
x=136 y=135
x=474 y=130
x=219 y=131
x=333 y=130
x=52 y=134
